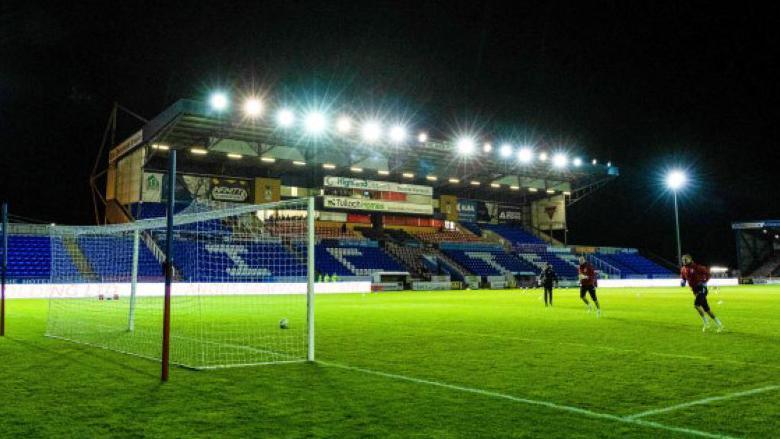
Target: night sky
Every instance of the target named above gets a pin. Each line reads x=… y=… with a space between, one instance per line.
x=647 y=86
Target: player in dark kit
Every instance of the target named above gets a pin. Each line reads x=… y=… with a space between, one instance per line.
x=588 y=284
x=548 y=278
x=697 y=277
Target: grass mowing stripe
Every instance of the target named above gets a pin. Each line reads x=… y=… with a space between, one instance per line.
x=704 y=401
x=614 y=349
x=548 y=404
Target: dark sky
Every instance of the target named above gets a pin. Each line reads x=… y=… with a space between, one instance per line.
x=646 y=85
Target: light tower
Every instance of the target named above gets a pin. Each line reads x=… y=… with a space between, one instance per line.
x=675 y=180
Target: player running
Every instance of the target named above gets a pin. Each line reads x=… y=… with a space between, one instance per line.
x=548 y=278
x=588 y=284
x=697 y=277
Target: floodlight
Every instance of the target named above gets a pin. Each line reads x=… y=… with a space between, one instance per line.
x=609 y=164
x=344 y=124
x=560 y=160
x=676 y=179
x=315 y=123
x=487 y=147
x=594 y=162
x=285 y=118
x=299 y=163
x=465 y=145
x=505 y=150
x=543 y=156
x=407 y=175
x=253 y=107
x=371 y=131
x=577 y=162
x=525 y=155
x=383 y=172
x=218 y=101
x=234 y=156
x=422 y=137
x=199 y=151
x=398 y=133
x=454 y=180
x=329 y=166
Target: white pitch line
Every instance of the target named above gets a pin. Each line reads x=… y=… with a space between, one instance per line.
x=704 y=401
x=536 y=402
x=614 y=349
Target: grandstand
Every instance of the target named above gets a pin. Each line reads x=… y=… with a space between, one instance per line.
x=377 y=210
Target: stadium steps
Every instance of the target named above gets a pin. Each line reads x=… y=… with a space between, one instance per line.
x=158 y=252
x=78 y=258
x=604 y=266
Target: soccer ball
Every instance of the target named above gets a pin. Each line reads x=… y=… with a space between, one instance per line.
x=283 y=324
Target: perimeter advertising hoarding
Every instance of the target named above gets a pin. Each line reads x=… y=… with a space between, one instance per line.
x=333 y=202
x=379 y=186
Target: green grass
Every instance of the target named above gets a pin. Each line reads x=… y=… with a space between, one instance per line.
x=434 y=364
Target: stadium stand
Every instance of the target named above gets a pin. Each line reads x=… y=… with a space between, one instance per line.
x=540 y=257
x=487 y=260
x=514 y=234
x=29 y=258
x=98 y=251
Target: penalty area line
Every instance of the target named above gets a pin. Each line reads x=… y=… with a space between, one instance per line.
x=536 y=402
x=704 y=401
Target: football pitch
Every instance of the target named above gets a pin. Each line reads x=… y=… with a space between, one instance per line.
x=430 y=364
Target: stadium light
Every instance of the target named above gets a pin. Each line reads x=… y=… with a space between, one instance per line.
x=356 y=169
x=315 y=123
x=299 y=163
x=675 y=180
x=219 y=101
x=577 y=162
x=487 y=147
x=525 y=155
x=454 y=180
x=268 y=159
x=505 y=150
x=199 y=151
x=475 y=183
x=398 y=133
x=383 y=172
x=609 y=164
x=431 y=177
x=285 y=118
x=543 y=156
x=465 y=145
x=407 y=175
x=371 y=131
x=253 y=108
x=160 y=146
x=594 y=162
x=495 y=185
x=560 y=160
x=514 y=188
x=328 y=166
x=344 y=124
x=234 y=156
x=533 y=189
x=422 y=137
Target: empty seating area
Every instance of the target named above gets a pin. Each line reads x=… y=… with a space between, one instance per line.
x=540 y=258
x=236 y=262
x=485 y=262
x=111 y=258
x=30 y=259
x=631 y=263
x=363 y=261
x=514 y=234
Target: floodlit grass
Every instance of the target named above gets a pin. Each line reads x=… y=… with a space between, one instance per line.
x=435 y=364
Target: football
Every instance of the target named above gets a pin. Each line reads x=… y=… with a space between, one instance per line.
x=283 y=324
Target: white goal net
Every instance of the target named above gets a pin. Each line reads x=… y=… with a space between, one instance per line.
x=241 y=289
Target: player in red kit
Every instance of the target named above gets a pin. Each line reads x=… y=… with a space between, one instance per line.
x=588 y=284
x=697 y=277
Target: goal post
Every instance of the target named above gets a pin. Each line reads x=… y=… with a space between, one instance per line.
x=242 y=288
